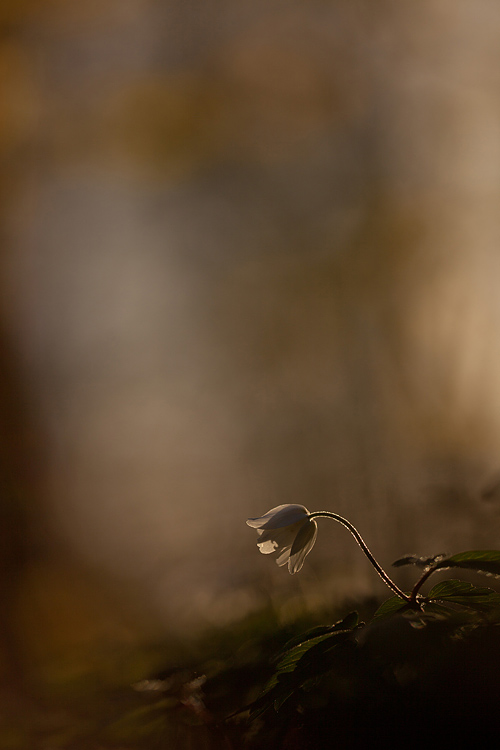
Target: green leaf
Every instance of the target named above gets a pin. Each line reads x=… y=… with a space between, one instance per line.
x=409 y=560
x=435 y=609
x=298 y=640
x=349 y=622
x=421 y=562
x=482 y=561
x=465 y=594
x=390 y=607
x=455 y=587
x=327 y=641
x=308 y=658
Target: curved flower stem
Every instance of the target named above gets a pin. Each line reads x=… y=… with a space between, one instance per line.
x=359 y=539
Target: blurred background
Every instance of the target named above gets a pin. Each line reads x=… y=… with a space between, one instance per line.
x=250 y=256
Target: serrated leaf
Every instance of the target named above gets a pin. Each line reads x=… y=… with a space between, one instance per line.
x=482 y=561
x=408 y=560
x=329 y=640
x=390 y=607
x=456 y=587
x=465 y=594
x=439 y=610
x=349 y=622
x=421 y=562
x=308 y=657
x=298 y=640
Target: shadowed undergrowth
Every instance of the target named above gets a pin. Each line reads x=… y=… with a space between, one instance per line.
x=322 y=680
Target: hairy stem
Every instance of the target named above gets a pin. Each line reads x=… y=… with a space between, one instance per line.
x=359 y=539
x=420 y=582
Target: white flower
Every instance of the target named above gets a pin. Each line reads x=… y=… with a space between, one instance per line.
x=287 y=530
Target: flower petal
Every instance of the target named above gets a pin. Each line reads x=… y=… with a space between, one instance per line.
x=277 y=540
x=267 y=547
x=303 y=544
x=283 y=537
x=256 y=523
x=282 y=515
x=284 y=556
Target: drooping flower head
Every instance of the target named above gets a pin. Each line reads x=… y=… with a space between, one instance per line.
x=287 y=530
x=290 y=530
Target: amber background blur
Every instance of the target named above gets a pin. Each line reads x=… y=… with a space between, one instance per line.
x=250 y=256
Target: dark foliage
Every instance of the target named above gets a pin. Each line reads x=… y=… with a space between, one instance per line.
x=422 y=670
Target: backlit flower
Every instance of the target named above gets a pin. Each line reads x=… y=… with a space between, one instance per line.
x=287 y=530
